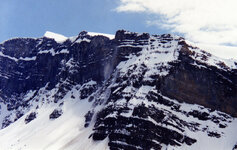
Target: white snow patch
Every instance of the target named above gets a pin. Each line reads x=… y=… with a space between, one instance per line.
x=28 y=58
x=155 y=56
x=212 y=59
x=75 y=40
x=110 y=36
x=16 y=59
x=64 y=133
x=57 y=37
x=53 y=53
x=9 y=57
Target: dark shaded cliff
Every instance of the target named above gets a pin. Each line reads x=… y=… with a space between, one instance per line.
x=206 y=85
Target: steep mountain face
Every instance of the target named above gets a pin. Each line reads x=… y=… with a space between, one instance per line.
x=193 y=81
x=131 y=91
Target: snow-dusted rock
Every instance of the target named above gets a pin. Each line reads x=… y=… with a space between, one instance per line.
x=128 y=91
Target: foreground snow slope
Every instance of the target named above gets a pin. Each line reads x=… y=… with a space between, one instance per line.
x=68 y=131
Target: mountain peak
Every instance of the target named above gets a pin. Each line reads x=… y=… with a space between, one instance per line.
x=57 y=37
x=110 y=36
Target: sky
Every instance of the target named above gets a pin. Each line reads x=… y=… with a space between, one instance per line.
x=209 y=24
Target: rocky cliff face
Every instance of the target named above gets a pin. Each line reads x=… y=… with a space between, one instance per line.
x=195 y=81
x=142 y=90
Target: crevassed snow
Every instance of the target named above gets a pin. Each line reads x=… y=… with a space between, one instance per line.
x=57 y=37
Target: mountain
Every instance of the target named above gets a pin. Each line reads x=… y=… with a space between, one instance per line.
x=128 y=91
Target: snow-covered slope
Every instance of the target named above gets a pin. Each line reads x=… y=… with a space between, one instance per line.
x=65 y=132
x=69 y=133
x=131 y=91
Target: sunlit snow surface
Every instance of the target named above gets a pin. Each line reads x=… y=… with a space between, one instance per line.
x=65 y=132
x=61 y=38
x=110 y=36
x=57 y=37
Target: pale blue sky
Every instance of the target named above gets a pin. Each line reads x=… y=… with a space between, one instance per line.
x=211 y=26
x=30 y=18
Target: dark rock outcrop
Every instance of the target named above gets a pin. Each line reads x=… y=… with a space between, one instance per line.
x=30 y=117
x=208 y=86
x=235 y=147
x=55 y=114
